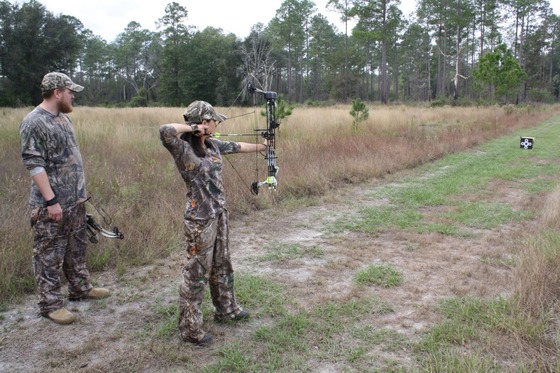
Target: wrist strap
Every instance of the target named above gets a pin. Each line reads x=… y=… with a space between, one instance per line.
x=53 y=201
x=195 y=128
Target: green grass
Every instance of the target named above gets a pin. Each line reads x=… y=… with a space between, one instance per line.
x=486 y=215
x=354 y=331
x=455 y=181
x=459 y=343
x=474 y=334
x=264 y=298
x=98 y=256
x=539 y=185
x=548 y=243
x=233 y=358
x=167 y=316
x=332 y=333
x=383 y=275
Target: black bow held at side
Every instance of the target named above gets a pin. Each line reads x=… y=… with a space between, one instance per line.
x=94 y=228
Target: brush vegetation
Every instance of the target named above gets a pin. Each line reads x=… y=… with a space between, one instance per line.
x=132 y=176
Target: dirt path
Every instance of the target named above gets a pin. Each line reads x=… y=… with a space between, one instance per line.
x=114 y=335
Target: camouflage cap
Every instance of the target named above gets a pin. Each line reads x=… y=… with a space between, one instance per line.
x=198 y=111
x=59 y=80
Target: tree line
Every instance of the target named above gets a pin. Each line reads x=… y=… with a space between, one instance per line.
x=448 y=51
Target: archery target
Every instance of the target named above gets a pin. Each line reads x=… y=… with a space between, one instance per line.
x=527 y=143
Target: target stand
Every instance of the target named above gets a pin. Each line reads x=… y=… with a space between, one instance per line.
x=527 y=143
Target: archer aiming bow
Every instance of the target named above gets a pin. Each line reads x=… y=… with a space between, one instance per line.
x=269 y=134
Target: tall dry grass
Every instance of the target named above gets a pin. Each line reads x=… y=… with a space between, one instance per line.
x=133 y=178
x=537 y=286
x=537 y=283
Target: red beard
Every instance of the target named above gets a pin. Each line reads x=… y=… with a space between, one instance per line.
x=65 y=107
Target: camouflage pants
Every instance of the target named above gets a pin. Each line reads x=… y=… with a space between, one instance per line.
x=207 y=260
x=59 y=246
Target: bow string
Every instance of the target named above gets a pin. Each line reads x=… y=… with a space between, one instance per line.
x=269 y=134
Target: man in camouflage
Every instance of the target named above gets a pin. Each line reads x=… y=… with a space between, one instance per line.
x=57 y=200
x=198 y=158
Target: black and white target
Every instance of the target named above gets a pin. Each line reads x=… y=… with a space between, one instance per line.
x=527 y=143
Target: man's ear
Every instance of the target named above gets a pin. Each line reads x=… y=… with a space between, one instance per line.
x=57 y=93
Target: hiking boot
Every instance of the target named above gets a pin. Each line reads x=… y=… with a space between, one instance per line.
x=95 y=293
x=207 y=339
x=62 y=316
x=242 y=315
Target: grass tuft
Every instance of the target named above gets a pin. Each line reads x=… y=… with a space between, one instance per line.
x=383 y=275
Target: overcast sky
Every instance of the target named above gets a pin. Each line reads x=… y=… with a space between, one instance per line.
x=108 y=18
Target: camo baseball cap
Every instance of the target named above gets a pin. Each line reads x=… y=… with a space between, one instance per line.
x=201 y=110
x=59 y=80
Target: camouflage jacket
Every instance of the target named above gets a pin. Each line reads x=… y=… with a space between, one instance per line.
x=203 y=176
x=48 y=141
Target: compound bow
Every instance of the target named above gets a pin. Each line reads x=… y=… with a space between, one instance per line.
x=94 y=228
x=269 y=134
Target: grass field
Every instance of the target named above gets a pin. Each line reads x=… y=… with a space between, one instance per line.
x=447 y=180
x=132 y=176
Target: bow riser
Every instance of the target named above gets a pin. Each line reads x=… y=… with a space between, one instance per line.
x=269 y=134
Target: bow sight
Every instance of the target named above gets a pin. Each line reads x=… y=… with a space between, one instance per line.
x=268 y=95
x=93 y=228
